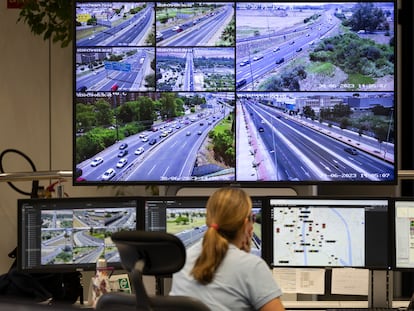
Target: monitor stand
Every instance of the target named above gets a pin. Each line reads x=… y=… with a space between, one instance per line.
x=380 y=293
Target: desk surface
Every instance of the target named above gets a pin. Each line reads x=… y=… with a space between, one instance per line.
x=298 y=305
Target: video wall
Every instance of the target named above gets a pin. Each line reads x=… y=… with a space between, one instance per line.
x=258 y=93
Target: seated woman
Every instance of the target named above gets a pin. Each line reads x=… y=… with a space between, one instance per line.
x=220 y=271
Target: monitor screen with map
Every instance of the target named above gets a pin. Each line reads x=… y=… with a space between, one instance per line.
x=185 y=217
x=69 y=234
x=256 y=94
x=331 y=232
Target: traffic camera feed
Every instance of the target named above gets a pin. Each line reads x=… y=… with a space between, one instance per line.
x=249 y=92
x=189 y=225
x=82 y=236
x=185 y=217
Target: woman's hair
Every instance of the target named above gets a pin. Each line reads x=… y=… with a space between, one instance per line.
x=227 y=209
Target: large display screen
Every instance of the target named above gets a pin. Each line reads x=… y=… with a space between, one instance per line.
x=71 y=234
x=251 y=93
x=312 y=232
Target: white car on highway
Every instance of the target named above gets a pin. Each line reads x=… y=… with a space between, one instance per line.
x=122 y=162
x=139 y=151
x=109 y=174
x=96 y=161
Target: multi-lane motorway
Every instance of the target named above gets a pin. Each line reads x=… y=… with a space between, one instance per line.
x=295 y=151
x=168 y=152
x=296 y=41
x=107 y=79
x=196 y=32
x=127 y=33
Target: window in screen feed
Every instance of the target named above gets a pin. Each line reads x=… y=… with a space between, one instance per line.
x=225 y=92
x=329 y=233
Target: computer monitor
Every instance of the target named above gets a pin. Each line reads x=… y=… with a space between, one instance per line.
x=185 y=217
x=403 y=227
x=71 y=234
x=329 y=232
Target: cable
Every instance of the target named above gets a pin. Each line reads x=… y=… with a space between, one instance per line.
x=35 y=183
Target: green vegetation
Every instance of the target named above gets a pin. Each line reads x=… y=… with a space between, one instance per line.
x=51 y=19
x=308 y=112
x=336 y=112
x=326 y=69
x=362 y=59
x=219 y=82
x=180 y=221
x=375 y=123
x=355 y=55
x=64 y=257
x=367 y=17
x=359 y=79
x=137 y=9
x=223 y=141
x=287 y=81
x=66 y=224
x=168 y=70
x=165 y=14
x=100 y=125
x=314 y=17
x=214 y=62
x=97 y=233
x=228 y=35
x=150 y=40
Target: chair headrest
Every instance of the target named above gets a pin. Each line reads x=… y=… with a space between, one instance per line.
x=162 y=253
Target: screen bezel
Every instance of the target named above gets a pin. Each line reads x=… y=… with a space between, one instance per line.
x=257 y=183
x=53 y=203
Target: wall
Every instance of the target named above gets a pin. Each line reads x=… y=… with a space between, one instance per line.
x=36 y=117
x=24 y=114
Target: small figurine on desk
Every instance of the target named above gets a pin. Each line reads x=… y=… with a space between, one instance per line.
x=100 y=282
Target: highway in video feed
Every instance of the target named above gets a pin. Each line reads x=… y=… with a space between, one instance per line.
x=168 y=151
x=195 y=69
x=83 y=239
x=192 y=235
x=195 y=27
x=113 y=24
x=189 y=72
x=189 y=225
x=293 y=148
x=293 y=43
x=282 y=41
x=127 y=72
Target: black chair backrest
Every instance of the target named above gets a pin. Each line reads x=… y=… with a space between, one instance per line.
x=149 y=253
x=162 y=253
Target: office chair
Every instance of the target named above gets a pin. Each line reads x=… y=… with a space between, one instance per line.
x=149 y=253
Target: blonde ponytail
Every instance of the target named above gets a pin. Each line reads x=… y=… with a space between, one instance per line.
x=226 y=213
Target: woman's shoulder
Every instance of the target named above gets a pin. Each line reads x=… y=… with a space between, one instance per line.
x=243 y=257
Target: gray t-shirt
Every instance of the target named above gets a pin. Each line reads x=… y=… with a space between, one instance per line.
x=242 y=282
